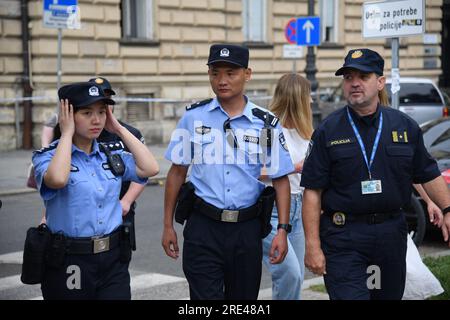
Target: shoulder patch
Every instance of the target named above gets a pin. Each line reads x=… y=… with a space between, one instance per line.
x=50 y=147
x=261 y=114
x=283 y=141
x=198 y=104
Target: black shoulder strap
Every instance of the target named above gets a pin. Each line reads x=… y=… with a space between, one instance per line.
x=50 y=147
x=198 y=104
x=265 y=116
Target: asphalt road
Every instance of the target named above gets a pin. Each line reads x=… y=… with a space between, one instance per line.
x=154 y=275
x=150 y=264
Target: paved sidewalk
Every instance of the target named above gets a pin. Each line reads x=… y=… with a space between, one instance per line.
x=14 y=166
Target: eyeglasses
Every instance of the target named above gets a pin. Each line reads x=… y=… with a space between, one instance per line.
x=229 y=134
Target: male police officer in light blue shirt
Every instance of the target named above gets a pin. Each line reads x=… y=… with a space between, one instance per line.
x=223 y=140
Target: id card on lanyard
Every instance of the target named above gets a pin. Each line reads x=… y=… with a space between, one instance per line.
x=368 y=186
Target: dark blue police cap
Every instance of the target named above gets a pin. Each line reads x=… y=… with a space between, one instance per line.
x=104 y=84
x=234 y=54
x=364 y=60
x=82 y=94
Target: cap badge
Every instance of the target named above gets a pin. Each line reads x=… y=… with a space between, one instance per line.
x=99 y=81
x=224 y=52
x=357 y=54
x=93 y=91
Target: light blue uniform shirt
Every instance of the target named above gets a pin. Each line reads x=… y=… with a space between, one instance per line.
x=89 y=204
x=224 y=176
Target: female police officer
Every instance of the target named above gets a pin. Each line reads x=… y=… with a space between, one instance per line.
x=80 y=181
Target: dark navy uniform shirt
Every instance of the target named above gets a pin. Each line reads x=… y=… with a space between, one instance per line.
x=335 y=162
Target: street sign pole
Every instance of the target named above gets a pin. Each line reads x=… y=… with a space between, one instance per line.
x=58 y=71
x=393 y=19
x=395 y=74
x=311 y=69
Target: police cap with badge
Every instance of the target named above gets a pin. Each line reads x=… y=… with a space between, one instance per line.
x=229 y=53
x=104 y=84
x=364 y=60
x=83 y=94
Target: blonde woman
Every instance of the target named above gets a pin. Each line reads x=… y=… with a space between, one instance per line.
x=291 y=104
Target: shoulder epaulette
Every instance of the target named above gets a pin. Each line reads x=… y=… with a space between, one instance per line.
x=113 y=145
x=45 y=149
x=198 y=104
x=261 y=114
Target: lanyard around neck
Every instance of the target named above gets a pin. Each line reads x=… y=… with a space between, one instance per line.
x=361 y=143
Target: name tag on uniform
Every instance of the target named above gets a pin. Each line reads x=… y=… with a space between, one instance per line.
x=371 y=186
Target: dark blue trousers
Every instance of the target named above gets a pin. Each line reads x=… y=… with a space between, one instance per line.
x=365 y=261
x=88 y=277
x=222 y=260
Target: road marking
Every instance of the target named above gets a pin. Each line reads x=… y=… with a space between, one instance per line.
x=149 y=280
x=12 y=257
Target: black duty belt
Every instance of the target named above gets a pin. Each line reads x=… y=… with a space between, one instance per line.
x=90 y=245
x=225 y=215
x=340 y=218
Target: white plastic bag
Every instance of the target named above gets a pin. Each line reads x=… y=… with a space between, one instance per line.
x=420 y=282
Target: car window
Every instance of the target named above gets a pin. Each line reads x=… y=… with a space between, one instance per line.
x=417 y=94
x=442 y=138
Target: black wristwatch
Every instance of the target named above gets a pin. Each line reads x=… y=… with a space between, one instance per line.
x=285 y=226
x=446 y=210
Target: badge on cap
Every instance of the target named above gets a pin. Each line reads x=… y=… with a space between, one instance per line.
x=224 y=52
x=93 y=92
x=99 y=81
x=357 y=54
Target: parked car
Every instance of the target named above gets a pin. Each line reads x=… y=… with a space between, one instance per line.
x=436 y=136
x=420 y=98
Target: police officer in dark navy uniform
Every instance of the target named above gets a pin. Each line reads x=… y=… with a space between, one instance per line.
x=359 y=170
x=79 y=180
x=223 y=138
x=130 y=191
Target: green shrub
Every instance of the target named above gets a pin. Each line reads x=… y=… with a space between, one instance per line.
x=440 y=267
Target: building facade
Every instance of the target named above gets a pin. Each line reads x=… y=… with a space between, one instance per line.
x=158 y=49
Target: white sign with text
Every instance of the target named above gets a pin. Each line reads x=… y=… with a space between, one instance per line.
x=391 y=19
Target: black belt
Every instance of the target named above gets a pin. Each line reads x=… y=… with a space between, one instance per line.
x=91 y=245
x=340 y=218
x=225 y=215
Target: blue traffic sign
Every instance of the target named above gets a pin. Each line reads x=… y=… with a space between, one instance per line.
x=308 y=31
x=62 y=14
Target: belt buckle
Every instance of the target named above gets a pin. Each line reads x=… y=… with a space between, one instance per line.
x=374 y=218
x=101 y=244
x=229 y=215
x=339 y=218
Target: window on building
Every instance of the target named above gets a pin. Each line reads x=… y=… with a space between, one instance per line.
x=329 y=17
x=138 y=110
x=254 y=20
x=137 y=19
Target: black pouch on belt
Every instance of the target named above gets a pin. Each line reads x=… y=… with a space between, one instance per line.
x=57 y=252
x=185 y=202
x=265 y=202
x=35 y=250
x=125 y=242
